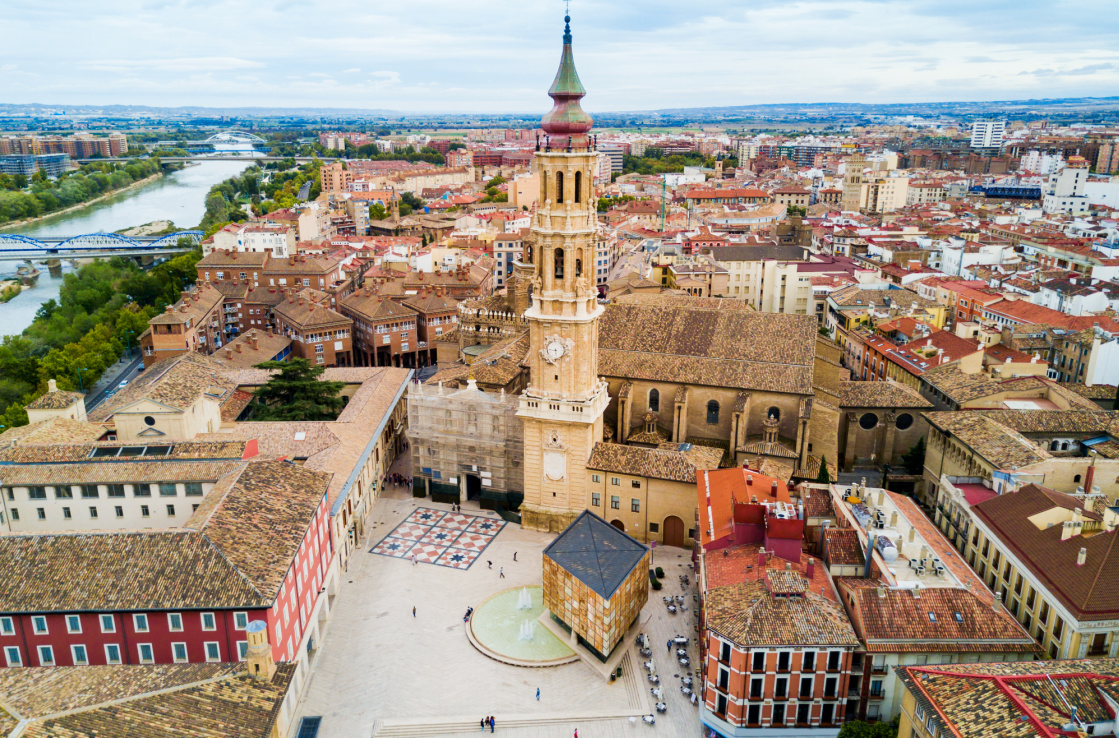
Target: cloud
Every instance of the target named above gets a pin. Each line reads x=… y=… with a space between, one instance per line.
x=501 y=55
x=192 y=64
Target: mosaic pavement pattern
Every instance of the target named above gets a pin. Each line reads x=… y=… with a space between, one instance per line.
x=455 y=540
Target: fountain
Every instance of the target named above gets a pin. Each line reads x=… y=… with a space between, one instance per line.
x=504 y=627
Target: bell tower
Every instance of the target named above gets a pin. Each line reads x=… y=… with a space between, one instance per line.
x=563 y=405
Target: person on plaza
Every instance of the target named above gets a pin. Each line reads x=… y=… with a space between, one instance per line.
x=489 y=564
x=514 y=556
x=493 y=723
x=413 y=611
x=501 y=572
x=482 y=722
x=538 y=694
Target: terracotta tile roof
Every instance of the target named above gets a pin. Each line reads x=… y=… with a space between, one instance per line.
x=149 y=701
x=58 y=400
x=219 y=258
x=233 y=552
x=855 y=296
x=817 y=504
x=1087 y=591
x=1095 y=392
x=290 y=440
x=880 y=394
x=201 y=301
x=117 y=472
x=307 y=314
x=302 y=264
x=1009 y=700
x=1002 y=447
x=429 y=303
x=678 y=465
x=497 y=366
x=749 y=615
x=109 y=452
x=375 y=308
x=176 y=382
x=933 y=619
x=842 y=547
x=687 y=340
x=250 y=349
x=55 y=430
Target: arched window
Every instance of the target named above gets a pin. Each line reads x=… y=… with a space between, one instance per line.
x=578 y=267
x=543 y=186
x=773 y=412
x=1055 y=446
x=578 y=187
x=1064 y=445
x=1076 y=479
x=558 y=257
x=654 y=400
x=528 y=255
x=559 y=187
x=712 y=413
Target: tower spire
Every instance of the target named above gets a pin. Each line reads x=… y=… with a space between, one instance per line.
x=566 y=123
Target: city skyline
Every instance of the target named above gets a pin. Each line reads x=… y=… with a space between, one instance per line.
x=490 y=57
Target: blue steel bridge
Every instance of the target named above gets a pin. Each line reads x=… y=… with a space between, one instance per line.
x=14 y=247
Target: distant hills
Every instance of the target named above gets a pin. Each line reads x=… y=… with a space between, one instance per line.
x=1073 y=107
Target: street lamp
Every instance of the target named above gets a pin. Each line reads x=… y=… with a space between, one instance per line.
x=81 y=387
x=128 y=339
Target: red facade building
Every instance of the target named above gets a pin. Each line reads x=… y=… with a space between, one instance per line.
x=258 y=548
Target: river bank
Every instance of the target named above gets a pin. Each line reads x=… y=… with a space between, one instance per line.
x=100 y=198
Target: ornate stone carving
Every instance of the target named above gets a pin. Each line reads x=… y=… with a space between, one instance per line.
x=555 y=348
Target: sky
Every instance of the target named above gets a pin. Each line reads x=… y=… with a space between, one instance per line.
x=499 y=56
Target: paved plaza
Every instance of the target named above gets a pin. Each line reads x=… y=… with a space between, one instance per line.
x=381 y=669
x=430 y=536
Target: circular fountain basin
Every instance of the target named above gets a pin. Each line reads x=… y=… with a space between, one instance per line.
x=496 y=625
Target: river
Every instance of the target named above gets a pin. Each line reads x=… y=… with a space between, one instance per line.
x=179 y=197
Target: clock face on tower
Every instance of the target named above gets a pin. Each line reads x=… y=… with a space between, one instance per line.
x=555 y=348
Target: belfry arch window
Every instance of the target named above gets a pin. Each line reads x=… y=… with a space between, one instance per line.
x=654 y=401
x=712 y=413
x=559 y=187
x=558 y=257
x=578 y=267
x=543 y=186
x=578 y=187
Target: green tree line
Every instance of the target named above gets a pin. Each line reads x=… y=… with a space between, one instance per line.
x=41 y=195
x=371 y=152
x=101 y=311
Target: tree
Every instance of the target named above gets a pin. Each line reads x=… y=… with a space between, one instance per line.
x=859 y=729
x=496 y=182
x=823 y=477
x=377 y=211
x=914 y=458
x=297 y=393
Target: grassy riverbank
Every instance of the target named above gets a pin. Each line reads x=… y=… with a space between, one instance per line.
x=100 y=198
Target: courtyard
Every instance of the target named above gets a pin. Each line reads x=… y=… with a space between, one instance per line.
x=383 y=671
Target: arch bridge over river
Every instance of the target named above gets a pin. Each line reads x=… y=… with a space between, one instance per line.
x=14 y=247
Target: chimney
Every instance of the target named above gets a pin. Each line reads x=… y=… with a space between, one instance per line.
x=253 y=342
x=259 y=657
x=1082 y=557
x=894 y=519
x=229 y=353
x=917 y=591
x=761 y=558
x=52 y=386
x=773 y=487
x=788 y=566
x=749 y=480
x=882 y=592
x=238 y=348
x=810 y=570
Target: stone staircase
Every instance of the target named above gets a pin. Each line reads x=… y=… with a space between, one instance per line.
x=452 y=726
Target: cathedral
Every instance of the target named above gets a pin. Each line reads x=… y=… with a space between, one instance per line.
x=644 y=390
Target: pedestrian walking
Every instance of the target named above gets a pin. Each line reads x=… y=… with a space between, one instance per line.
x=489 y=564
x=538 y=694
x=669 y=644
x=514 y=556
x=576 y=733
x=501 y=573
x=413 y=611
x=413 y=559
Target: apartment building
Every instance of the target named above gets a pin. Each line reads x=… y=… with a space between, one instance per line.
x=385 y=331
x=318 y=334
x=195 y=323
x=1046 y=555
x=766 y=277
